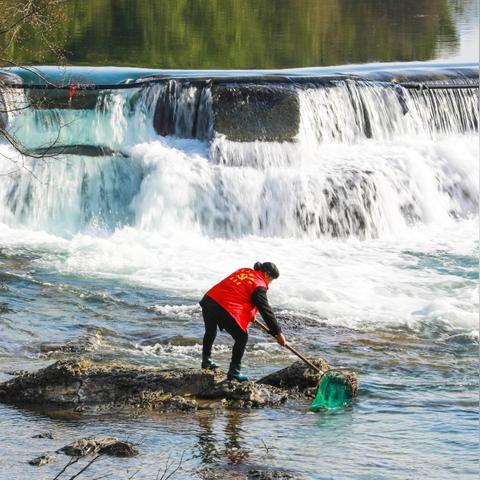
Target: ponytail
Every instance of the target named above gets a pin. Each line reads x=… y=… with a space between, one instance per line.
x=267 y=267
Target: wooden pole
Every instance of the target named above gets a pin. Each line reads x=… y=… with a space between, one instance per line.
x=295 y=352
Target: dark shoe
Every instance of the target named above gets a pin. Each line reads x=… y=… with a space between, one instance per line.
x=209 y=363
x=236 y=375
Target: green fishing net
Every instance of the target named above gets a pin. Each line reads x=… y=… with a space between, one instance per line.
x=335 y=390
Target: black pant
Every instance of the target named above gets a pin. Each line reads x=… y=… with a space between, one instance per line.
x=215 y=316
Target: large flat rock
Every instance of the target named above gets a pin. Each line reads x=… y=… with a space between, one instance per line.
x=80 y=383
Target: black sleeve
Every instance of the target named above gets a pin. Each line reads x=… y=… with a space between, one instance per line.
x=259 y=299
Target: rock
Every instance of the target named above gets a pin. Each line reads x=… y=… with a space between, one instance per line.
x=241 y=111
x=180 y=340
x=248 y=472
x=79 y=346
x=303 y=380
x=255 y=474
x=79 y=383
x=251 y=112
x=83 y=150
x=297 y=375
x=44 y=435
x=247 y=394
x=42 y=460
x=100 y=445
x=163 y=402
x=119 y=449
x=16 y=373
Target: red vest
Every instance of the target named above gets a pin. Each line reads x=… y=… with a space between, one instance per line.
x=234 y=294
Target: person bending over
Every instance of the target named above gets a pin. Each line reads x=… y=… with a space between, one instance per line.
x=231 y=305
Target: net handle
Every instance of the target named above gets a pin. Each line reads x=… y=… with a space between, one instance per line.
x=295 y=352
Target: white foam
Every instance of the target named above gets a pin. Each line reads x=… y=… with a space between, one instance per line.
x=178 y=352
x=178 y=311
x=359 y=284
x=186 y=221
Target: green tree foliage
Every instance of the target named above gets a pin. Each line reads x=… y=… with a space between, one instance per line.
x=24 y=20
x=235 y=34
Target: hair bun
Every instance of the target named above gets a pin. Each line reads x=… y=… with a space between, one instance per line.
x=257 y=266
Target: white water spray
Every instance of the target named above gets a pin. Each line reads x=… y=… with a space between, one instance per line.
x=373 y=173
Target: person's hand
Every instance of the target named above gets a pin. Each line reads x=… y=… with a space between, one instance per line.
x=281 y=339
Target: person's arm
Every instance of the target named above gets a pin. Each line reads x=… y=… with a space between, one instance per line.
x=259 y=299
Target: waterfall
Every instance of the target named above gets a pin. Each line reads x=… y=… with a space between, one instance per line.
x=341 y=158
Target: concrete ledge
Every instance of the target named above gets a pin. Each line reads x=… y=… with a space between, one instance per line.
x=63 y=99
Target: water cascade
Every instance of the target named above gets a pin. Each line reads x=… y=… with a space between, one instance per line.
x=333 y=157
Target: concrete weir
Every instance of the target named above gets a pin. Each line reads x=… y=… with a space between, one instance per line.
x=256 y=106
x=73 y=98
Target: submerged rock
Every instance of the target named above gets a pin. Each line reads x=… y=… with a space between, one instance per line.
x=48 y=435
x=256 y=474
x=248 y=472
x=101 y=445
x=80 y=384
x=78 y=346
x=42 y=460
x=15 y=373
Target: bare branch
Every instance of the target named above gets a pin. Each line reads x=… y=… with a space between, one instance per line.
x=29 y=7
x=166 y=474
x=18 y=19
x=103 y=476
x=130 y=478
x=70 y=462
x=94 y=459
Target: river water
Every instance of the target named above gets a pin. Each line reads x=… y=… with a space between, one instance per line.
x=375 y=232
